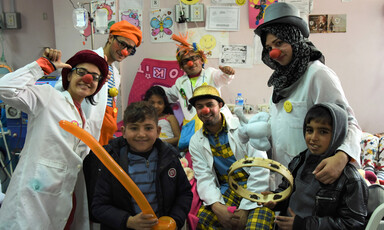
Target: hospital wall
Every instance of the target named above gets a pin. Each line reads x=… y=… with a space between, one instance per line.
x=21 y=46
x=356 y=56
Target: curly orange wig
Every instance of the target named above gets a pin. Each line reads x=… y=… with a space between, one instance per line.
x=185 y=47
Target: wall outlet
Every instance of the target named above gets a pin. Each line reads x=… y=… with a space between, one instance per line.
x=12 y=20
x=197 y=12
x=182 y=18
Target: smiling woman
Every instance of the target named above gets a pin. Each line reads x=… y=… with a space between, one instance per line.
x=76 y=86
x=299 y=69
x=51 y=159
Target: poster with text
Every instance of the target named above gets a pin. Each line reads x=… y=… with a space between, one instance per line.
x=235 y=56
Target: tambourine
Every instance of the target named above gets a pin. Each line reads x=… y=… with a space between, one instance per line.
x=265 y=163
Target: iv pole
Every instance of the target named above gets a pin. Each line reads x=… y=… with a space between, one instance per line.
x=91 y=22
x=91 y=19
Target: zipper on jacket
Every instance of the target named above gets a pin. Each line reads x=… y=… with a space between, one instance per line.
x=147 y=163
x=318 y=198
x=325 y=198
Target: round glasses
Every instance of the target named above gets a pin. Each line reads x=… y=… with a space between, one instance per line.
x=81 y=72
x=192 y=58
x=123 y=45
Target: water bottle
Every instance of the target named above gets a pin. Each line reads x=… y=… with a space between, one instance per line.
x=239 y=101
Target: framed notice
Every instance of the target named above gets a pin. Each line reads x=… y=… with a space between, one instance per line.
x=223 y=18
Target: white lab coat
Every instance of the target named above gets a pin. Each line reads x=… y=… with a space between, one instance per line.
x=319 y=84
x=208 y=186
x=39 y=195
x=210 y=76
x=95 y=113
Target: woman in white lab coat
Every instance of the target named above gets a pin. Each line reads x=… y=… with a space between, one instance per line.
x=47 y=188
x=300 y=80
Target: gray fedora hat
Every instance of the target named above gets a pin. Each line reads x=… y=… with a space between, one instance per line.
x=283 y=13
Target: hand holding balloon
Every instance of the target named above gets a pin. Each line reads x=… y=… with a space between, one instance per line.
x=141 y=221
x=164 y=222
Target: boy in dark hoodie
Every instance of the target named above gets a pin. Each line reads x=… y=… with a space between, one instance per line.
x=155 y=168
x=314 y=205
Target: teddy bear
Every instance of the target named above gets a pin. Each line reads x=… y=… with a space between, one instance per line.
x=256 y=130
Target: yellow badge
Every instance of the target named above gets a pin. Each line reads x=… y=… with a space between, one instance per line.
x=115 y=110
x=288 y=106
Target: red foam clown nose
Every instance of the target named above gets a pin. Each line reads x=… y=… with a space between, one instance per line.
x=205 y=110
x=87 y=78
x=275 y=53
x=124 y=52
x=231 y=209
x=190 y=63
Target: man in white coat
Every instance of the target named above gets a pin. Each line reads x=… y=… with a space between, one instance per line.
x=214 y=148
x=191 y=59
x=122 y=42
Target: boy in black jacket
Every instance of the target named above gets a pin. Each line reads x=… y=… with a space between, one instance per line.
x=314 y=205
x=155 y=168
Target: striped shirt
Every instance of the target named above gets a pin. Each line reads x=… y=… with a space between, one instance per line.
x=111 y=84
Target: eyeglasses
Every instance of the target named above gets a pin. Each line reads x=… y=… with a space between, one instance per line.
x=192 y=58
x=81 y=72
x=123 y=45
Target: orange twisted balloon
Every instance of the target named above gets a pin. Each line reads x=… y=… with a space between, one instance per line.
x=165 y=222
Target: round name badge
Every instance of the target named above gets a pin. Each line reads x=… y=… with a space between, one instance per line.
x=288 y=106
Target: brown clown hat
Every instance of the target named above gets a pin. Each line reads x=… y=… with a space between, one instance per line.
x=86 y=56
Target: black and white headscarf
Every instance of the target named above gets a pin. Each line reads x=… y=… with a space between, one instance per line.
x=303 y=51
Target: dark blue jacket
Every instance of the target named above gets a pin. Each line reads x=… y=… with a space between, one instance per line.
x=112 y=204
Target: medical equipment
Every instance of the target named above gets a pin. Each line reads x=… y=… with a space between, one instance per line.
x=80 y=19
x=4 y=67
x=95 y=19
x=101 y=20
x=6 y=159
x=17 y=128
